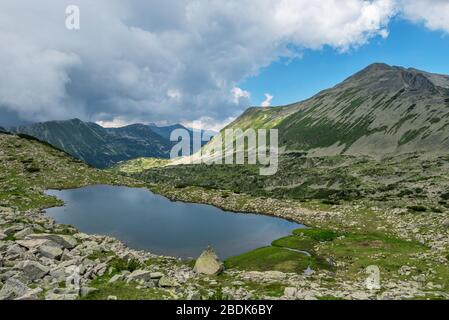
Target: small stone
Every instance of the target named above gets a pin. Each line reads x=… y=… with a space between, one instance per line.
x=156 y=275
x=446 y=223
x=58 y=274
x=140 y=275
x=290 y=292
x=22 y=234
x=112 y=297
x=31 y=295
x=166 y=282
x=208 y=263
x=11 y=230
x=34 y=270
x=117 y=277
x=62 y=296
x=3 y=236
x=86 y=291
x=50 y=252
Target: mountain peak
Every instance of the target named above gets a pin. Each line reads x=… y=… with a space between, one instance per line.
x=383 y=77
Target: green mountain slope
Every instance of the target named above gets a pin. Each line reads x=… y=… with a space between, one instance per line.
x=166 y=130
x=28 y=167
x=98 y=146
x=380 y=110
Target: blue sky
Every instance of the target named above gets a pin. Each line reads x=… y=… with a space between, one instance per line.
x=408 y=44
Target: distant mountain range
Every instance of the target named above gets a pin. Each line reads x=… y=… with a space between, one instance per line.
x=381 y=110
x=103 y=147
x=98 y=146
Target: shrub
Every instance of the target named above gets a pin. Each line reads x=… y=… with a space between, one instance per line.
x=318 y=235
x=417 y=208
x=120 y=265
x=330 y=202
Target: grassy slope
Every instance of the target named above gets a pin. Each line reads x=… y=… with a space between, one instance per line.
x=28 y=167
x=137 y=165
x=401 y=181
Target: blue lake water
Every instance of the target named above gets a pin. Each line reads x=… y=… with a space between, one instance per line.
x=144 y=220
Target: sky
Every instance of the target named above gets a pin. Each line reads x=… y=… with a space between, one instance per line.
x=199 y=62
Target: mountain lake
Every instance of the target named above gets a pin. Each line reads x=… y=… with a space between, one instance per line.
x=147 y=221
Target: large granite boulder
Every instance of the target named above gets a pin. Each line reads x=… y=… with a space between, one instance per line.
x=208 y=263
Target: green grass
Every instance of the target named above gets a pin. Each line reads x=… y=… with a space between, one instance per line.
x=270 y=258
x=317 y=234
x=359 y=251
x=278 y=256
x=295 y=242
x=100 y=255
x=124 y=291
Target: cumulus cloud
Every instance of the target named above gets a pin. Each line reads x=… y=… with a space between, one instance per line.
x=433 y=13
x=171 y=60
x=267 y=101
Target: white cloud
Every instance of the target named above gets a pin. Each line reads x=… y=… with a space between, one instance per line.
x=267 y=101
x=174 y=94
x=208 y=123
x=171 y=60
x=114 y=123
x=239 y=94
x=433 y=13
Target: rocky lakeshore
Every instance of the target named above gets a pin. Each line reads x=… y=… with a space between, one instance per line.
x=43 y=260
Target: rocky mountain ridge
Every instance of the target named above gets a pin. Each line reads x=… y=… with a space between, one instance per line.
x=381 y=110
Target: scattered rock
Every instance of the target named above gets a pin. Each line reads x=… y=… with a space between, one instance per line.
x=446 y=223
x=112 y=297
x=65 y=241
x=140 y=275
x=31 y=295
x=13 y=288
x=117 y=277
x=34 y=270
x=61 y=296
x=84 y=291
x=22 y=234
x=290 y=292
x=13 y=229
x=156 y=275
x=166 y=282
x=32 y=244
x=208 y=263
x=3 y=236
x=50 y=252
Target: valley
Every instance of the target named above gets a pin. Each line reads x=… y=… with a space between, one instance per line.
x=363 y=166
